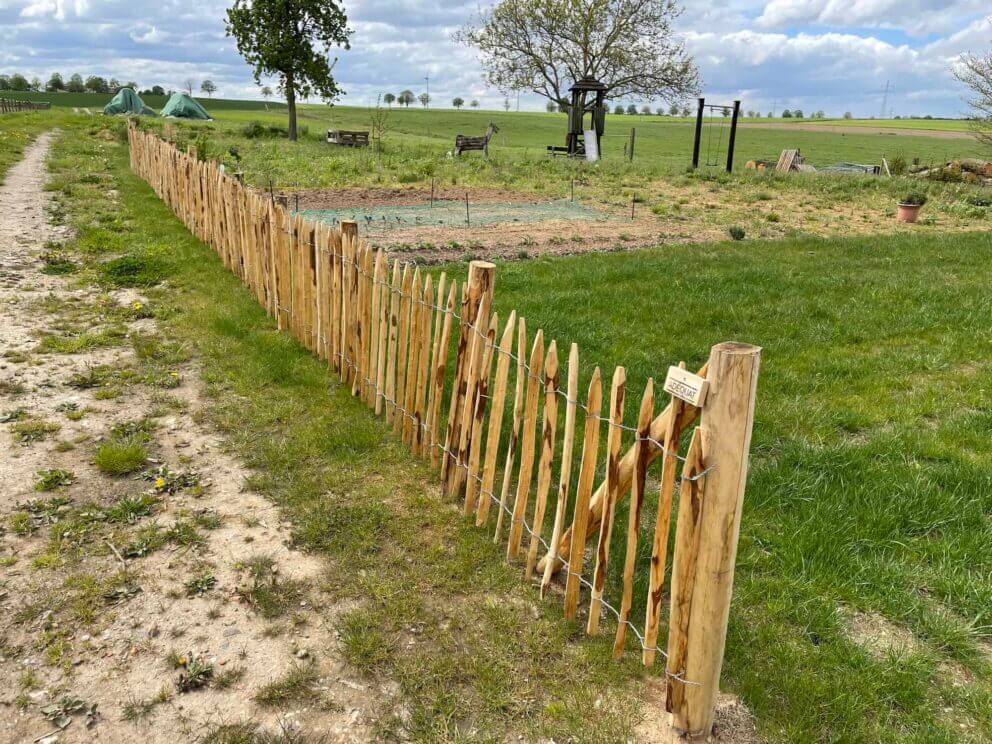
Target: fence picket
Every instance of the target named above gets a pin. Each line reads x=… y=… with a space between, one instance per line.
x=548 y=430
x=565 y=470
x=496 y=413
x=518 y=412
x=617 y=392
x=634 y=514
x=583 y=491
x=526 y=448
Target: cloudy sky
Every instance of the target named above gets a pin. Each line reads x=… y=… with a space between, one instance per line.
x=835 y=55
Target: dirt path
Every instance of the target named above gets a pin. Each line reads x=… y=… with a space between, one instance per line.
x=857 y=129
x=160 y=603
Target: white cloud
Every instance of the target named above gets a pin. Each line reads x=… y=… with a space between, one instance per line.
x=58 y=9
x=912 y=16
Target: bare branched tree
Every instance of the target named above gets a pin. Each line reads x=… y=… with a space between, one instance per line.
x=546 y=45
x=975 y=71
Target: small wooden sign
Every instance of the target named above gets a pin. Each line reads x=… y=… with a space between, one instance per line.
x=686 y=386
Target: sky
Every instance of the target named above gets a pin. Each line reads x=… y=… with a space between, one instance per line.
x=830 y=55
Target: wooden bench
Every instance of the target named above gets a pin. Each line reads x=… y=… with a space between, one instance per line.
x=347 y=139
x=464 y=143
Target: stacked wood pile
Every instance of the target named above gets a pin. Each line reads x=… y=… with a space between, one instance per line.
x=965 y=169
x=388 y=330
x=790 y=161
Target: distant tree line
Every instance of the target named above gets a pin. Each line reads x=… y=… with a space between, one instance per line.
x=91 y=84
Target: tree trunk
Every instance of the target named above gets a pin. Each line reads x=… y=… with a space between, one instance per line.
x=291 y=106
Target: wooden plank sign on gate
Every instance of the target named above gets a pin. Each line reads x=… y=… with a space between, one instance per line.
x=686 y=386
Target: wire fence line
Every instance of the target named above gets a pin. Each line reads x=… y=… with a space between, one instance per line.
x=458 y=387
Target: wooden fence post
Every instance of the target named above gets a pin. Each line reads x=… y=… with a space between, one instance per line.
x=481 y=278
x=702 y=595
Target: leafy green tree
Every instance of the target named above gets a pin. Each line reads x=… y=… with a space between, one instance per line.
x=543 y=45
x=114 y=85
x=19 y=82
x=673 y=110
x=645 y=110
x=632 y=110
x=389 y=98
x=787 y=114
x=75 y=84
x=848 y=115
x=266 y=92
x=424 y=99
x=55 y=83
x=96 y=84
x=618 y=109
x=290 y=39
x=551 y=107
x=457 y=102
x=798 y=113
x=474 y=104
x=208 y=87
x=4 y=82
x=36 y=83
x=158 y=90
x=406 y=98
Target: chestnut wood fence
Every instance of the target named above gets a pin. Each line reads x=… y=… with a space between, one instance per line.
x=386 y=328
x=10 y=105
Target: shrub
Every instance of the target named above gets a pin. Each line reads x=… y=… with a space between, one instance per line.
x=736 y=232
x=914 y=199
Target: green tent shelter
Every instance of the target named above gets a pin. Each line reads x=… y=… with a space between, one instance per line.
x=182 y=106
x=127 y=102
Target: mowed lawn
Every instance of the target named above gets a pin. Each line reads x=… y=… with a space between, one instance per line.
x=863 y=608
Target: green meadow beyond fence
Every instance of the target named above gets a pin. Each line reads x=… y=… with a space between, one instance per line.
x=444 y=371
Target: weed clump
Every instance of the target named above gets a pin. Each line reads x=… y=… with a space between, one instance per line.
x=133 y=271
x=52 y=480
x=736 y=232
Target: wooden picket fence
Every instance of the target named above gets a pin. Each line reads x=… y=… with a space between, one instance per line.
x=386 y=328
x=10 y=105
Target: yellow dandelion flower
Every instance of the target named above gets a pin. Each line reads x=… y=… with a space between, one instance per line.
x=160 y=483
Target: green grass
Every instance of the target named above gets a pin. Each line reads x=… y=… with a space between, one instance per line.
x=16 y=130
x=869 y=486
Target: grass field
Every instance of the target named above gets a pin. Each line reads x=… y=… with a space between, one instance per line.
x=864 y=584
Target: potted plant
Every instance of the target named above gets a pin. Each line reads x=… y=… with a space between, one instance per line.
x=910 y=206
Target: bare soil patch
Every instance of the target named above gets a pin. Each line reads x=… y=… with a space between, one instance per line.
x=373 y=197
x=843 y=129
x=663 y=212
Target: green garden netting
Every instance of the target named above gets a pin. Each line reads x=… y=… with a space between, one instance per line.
x=453 y=213
x=182 y=106
x=127 y=102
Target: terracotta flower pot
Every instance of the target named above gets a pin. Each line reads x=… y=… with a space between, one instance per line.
x=908 y=212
